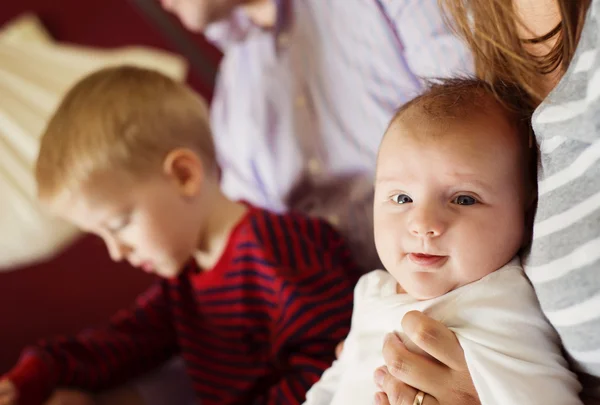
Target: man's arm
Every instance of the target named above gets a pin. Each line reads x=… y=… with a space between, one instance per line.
x=133 y=342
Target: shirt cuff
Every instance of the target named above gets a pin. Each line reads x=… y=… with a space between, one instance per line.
x=33 y=378
x=230 y=30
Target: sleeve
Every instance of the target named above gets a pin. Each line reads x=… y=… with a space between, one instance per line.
x=430 y=47
x=234 y=28
x=133 y=342
x=512 y=352
x=314 y=311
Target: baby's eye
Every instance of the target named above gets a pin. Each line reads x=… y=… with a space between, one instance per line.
x=464 y=200
x=401 y=199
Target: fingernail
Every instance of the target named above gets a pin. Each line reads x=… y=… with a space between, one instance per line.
x=379 y=377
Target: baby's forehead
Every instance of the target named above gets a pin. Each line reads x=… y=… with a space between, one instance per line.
x=456 y=124
x=453 y=143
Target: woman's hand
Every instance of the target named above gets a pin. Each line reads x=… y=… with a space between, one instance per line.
x=443 y=376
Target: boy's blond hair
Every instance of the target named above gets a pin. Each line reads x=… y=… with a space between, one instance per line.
x=120 y=119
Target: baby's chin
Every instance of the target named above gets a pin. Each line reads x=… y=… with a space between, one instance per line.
x=422 y=292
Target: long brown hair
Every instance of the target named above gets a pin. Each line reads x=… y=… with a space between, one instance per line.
x=490 y=30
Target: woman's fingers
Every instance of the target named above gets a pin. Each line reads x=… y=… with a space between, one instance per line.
x=435 y=339
x=395 y=392
x=413 y=369
x=444 y=375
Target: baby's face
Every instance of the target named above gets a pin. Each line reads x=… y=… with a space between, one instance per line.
x=449 y=202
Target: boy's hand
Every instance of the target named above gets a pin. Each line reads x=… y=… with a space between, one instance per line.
x=69 y=397
x=8 y=393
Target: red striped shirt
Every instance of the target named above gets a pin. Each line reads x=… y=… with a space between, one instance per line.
x=259 y=328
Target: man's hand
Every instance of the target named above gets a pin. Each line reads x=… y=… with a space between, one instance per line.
x=195 y=15
x=8 y=393
x=442 y=375
x=69 y=397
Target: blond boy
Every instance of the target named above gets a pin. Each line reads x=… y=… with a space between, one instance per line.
x=253 y=302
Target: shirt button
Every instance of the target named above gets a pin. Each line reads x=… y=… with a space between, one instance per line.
x=333 y=220
x=300 y=102
x=283 y=40
x=314 y=167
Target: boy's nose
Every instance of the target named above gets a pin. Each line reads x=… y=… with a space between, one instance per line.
x=117 y=250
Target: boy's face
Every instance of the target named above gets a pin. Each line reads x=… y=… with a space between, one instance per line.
x=149 y=222
x=449 y=202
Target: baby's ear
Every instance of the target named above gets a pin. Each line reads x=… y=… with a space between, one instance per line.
x=185 y=169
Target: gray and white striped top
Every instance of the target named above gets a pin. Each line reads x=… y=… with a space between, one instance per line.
x=564 y=265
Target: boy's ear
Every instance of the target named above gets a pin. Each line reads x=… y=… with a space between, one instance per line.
x=185 y=169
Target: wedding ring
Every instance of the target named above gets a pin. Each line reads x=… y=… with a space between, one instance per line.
x=419 y=398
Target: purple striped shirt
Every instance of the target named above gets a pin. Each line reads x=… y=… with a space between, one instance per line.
x=299 y=110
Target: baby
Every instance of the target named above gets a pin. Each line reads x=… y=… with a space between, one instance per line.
x=455 y=195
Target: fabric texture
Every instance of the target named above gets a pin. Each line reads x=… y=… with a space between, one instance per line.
x=260 y=327
x=512 y=352
x=564 y=265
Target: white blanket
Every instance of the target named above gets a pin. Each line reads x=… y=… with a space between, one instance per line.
x=513 y=354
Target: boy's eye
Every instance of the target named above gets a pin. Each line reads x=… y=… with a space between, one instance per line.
x=464 y=200
x=401 y=199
